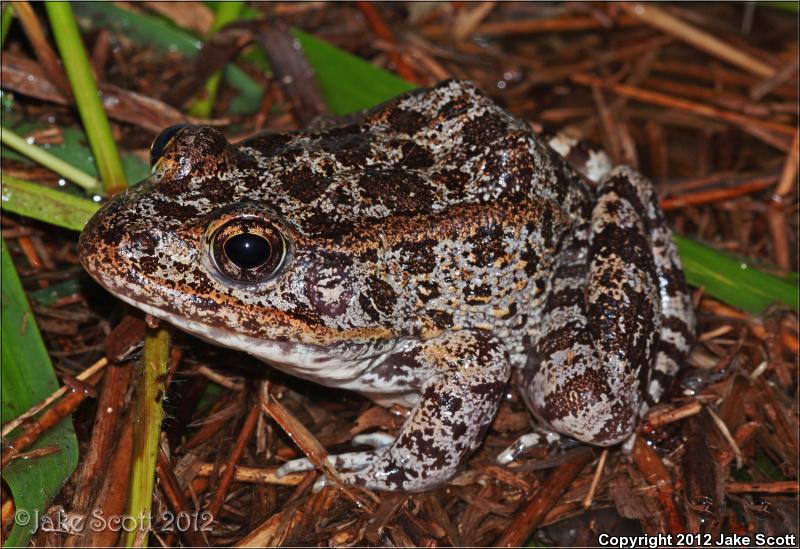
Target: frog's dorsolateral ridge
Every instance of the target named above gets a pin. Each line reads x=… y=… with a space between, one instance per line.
x=415 y=255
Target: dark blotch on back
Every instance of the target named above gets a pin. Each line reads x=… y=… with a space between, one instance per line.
x=267 y=144
x=396 y=189
x=416 y=156
x=408 y=122
x=303 y=184
x=483 y=129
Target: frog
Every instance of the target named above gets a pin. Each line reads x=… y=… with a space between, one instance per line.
x=416 y=253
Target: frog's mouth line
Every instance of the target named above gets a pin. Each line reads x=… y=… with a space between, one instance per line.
x=303 y=360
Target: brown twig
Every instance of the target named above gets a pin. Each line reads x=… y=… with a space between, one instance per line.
x=661 y=19
x=230 y=465
x=382 y=32
x=543 y=500
x=660 y=418
x=41 y=48
x=656 y=98
x=715 y=195
x=529 y=26
x=759 y=90
x=780 y=487
x=83 y=376
x=649 y=463
x=307 y=443
x=177 y=501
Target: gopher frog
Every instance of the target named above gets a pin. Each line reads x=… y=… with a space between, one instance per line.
x=415 y=254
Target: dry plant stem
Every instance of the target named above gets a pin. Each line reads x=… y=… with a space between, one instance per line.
x=382 y=32
x=104 y=434
x=535 y=511
x=212 y=426
x=726 y=434
x=788 y=181
x=552 y=74
x=307 y=443
x=780 y=241
x=716 y=195
x=775 y=214
x=177 y=501
x=252 y=475
x=230 y=465
x=47 y=421
x=114 y=493
x=41 y=48
x=468 y=19
x=660 y=419
x=764 y=87
x=83 y=376
x=655 y=98
x=661 y=19
x=598 y=473
x=528 y=26
x=782 y=487
x=649 y=463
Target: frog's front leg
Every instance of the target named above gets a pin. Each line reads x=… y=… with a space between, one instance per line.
x=461 y=376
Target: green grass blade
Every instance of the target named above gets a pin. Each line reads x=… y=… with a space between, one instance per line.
x=227 y=12
x=87 y=98
x=7 y=16
x=44 y=204
x=150 y=392
x=73 y=150
x=27 y=378
x=50 y=161
x=734 y=280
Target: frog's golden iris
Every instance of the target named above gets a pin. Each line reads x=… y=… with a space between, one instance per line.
x=248 y=249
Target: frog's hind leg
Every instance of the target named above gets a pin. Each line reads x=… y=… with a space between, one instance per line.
x=461 y=375
x=677 y=313
x=596 y=343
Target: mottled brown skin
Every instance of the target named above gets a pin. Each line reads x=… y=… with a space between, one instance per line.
x=421 y=248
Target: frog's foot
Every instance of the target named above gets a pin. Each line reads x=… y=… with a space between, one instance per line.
x=527 y=441
x=462 y=376
x=349 y=460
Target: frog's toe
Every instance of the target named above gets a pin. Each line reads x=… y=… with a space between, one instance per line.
x=375 y=440
x=295 y=466
x=526 y=442
x=351 y=461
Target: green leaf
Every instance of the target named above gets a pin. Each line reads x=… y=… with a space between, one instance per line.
x=733 y=280
x=165 y=37
x=348 y=82
x=50 y=161
x=54 y=292
x=48 y=205
x=75 y=150
x=27 y=378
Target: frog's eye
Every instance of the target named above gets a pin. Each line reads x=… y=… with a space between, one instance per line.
x=248 y=249
x=162 y=140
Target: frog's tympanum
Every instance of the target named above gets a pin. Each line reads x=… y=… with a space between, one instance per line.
x=415 y=254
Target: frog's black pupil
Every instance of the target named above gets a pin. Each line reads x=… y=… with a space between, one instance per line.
x=247 y=250
x=161 y=141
